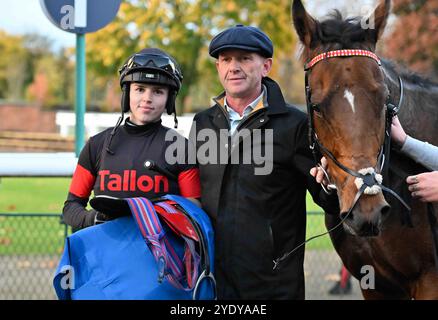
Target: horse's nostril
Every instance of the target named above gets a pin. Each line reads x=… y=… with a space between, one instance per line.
x=368 y=229
x=344 y=214
x=385 y=210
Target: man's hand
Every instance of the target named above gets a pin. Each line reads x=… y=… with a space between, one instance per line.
x=318 y=173
x=424 y=186
x=398 y=135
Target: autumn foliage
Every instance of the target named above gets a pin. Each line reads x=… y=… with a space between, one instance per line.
x=414 y=38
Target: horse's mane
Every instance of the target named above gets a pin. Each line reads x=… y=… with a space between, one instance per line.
x=337 y=33
x=408 y=75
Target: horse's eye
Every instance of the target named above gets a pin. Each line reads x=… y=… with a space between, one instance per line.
x=316 y=107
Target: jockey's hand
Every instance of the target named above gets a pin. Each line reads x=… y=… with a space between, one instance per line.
x=100 y=217
x=424 y=186
x=318 y=173
x=398 y=135
x=94 y=217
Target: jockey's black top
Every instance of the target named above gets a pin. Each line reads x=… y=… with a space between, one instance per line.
x=123 y=174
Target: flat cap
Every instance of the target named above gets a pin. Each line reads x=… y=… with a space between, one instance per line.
x=244 y=38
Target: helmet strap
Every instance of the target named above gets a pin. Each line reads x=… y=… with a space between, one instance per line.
x=170 y=106
x=125 y=97
x=125 y=108
x=175 y=120
x=113 y=132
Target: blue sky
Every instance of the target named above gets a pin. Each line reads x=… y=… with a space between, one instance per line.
x=26 y=16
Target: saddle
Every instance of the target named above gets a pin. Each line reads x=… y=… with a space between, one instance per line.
x=160 y=249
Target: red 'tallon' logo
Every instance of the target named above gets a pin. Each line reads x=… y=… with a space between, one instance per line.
x=130 y=182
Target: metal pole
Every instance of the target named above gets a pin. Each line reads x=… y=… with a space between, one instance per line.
x=80 y=102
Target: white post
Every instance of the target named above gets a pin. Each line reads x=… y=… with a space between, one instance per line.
x=80 y=13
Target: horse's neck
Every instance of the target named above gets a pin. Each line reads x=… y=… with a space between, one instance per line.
x=419 y=110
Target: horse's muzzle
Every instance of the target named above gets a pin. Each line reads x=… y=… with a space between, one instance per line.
x=366 y=223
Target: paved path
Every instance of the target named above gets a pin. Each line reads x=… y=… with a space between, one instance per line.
x=27 y=277
x=321 y=270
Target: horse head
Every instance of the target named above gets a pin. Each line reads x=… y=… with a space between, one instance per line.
x=347 y=96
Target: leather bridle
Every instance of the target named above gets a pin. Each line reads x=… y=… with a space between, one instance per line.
x=371 y=178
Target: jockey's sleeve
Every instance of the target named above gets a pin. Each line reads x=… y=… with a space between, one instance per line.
x=74 y=212
x=75 y=215
x=189 y=183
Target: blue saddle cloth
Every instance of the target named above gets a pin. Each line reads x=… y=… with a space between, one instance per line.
x=112 y=261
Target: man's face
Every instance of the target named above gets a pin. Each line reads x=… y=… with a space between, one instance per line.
x=147 y=102
x=241 y=72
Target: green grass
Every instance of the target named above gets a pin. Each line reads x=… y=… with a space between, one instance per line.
x=28 y=234
x=32 y=195
x=316 y=226
x=38 y=235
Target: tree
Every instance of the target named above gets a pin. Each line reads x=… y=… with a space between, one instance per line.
x=38 y=90
x=52 y=74
x=414 y=39
x=30 y=70
x=13 y=66
x=184 y=28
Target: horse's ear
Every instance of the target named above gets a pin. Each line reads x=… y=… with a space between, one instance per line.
x=304 y=24
x=380 y=18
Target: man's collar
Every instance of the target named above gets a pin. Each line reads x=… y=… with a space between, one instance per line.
x=258 y=103
x=273 y=99
x=250 y=107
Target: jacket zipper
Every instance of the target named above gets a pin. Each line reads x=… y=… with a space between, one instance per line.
x=251 y=116
x=226 y=116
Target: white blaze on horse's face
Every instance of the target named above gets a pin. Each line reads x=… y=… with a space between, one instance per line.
x=350 y=98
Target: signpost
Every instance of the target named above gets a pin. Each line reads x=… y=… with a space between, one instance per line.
x=80 y=17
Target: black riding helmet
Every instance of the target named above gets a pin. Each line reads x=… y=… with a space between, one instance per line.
x=154 y=66
x=150 y=65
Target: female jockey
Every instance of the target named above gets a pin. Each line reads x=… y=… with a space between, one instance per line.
x=117 y=162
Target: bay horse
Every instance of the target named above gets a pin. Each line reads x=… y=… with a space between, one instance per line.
x=349 y=92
